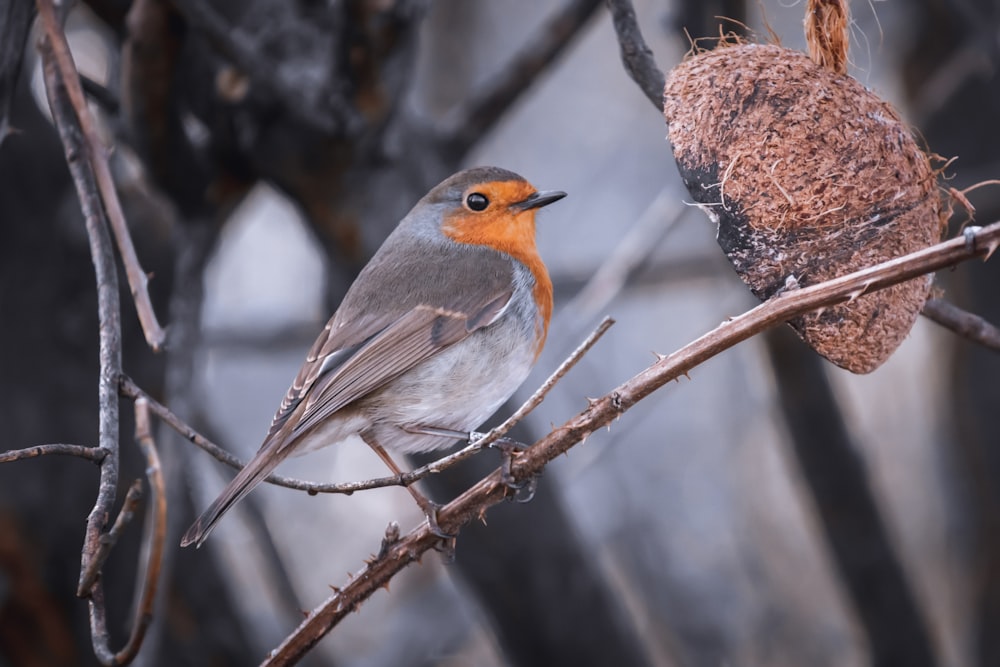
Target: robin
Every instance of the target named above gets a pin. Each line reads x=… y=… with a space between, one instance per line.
x=436 y=333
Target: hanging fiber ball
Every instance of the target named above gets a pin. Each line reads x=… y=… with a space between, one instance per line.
x=810 y=176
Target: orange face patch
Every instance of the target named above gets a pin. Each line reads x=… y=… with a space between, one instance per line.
x=508 y=230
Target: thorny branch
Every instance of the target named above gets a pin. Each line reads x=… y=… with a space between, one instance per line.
x=57 y=56
x=130 y=389
x=979 y=242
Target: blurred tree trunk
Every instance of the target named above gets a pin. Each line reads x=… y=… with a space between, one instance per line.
x=953 y=82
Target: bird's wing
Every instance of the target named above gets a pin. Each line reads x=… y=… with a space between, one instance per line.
x=339 y=371
x=416 y=336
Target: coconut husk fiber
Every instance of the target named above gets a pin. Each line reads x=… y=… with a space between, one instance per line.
x=810 y=176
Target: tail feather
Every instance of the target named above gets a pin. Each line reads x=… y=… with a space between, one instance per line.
x=262 y=464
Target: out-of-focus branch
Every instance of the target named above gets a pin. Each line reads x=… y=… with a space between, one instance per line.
x=255 y=65
x=468 y=122
x=474 y=503
x=631 y=252
x=95 y=454
x=636 y=54
x=155 y=539
x=965 y=324
x=57 y=56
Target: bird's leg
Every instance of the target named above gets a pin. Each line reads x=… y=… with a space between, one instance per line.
x=427 y=506
x=508 y=447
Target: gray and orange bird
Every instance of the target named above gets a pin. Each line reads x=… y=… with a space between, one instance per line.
x=438 y=330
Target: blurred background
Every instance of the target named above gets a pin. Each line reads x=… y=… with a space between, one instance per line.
x=770 y=509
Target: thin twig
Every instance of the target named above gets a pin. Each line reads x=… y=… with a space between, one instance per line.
x=131 y=389
x=95 y=454
x=149 y=575
x=468 y=122
x=636 y=54
x=55 y=50
x=110 y=538
x=474 y=502
x=965 y=324
x=108 y=303
x=533 y=402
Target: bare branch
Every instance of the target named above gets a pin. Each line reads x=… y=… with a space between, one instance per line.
x=965 y=324
x=980 y=242
x=110 y=539
x=468 y=122
x=108 y=304
x=636 y=54
x=56 y=53
x=95 y=454
x=129 y=388
x=155 y=539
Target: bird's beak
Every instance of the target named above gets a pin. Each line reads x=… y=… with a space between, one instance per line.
x=538 y=200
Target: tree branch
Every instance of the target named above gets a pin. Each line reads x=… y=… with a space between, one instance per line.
x=636 y=54
x=95 y=454
x=155 y=539
x=979 y=242
x=108 y=304
x=57 y=56
x=965 y=324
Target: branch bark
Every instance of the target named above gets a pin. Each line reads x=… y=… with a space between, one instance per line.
x=108 y=304
x=95 y=454
x=636 y=54
x=473 y=504
x=965 y=324
x=91 y=150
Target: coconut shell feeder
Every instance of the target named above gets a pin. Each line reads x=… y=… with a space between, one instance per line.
x=809 y=176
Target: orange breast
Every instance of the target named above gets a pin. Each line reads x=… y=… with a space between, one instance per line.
x=509 y=232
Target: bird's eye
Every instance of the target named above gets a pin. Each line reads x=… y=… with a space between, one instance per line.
x=477 y=201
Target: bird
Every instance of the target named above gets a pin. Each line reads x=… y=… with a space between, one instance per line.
x=437 y=331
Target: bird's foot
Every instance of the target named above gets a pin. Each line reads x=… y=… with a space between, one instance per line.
x=523 y=490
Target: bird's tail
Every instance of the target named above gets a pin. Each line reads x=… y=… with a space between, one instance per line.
x=262 y=464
